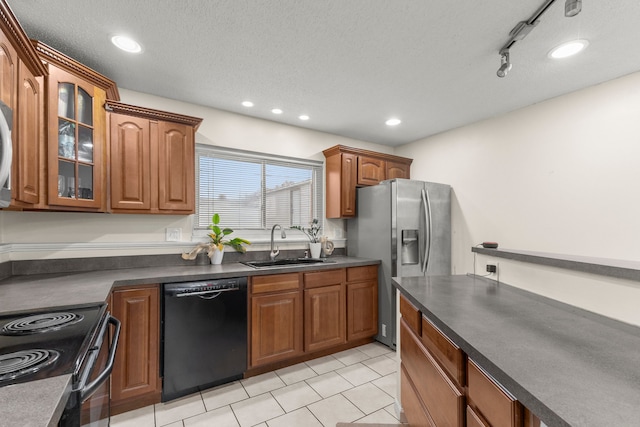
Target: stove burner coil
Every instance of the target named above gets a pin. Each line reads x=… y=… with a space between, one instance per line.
x=40 y=323
x=21 y=363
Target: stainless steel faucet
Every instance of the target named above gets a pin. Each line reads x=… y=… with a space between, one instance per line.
x=274 y=253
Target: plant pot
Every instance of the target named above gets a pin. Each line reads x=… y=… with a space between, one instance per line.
x=216 y=257
x=315 y=249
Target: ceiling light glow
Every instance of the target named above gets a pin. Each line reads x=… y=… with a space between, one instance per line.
x=303 y=117
x=393 y=122
x=568 y=49
x=247 y=103
x=276 y=111
x=127 y=44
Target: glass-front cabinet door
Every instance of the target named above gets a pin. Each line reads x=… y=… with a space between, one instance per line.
x=76 y=141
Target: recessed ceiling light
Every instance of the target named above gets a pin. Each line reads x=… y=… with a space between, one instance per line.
x=247 y=103
x=276 y=111
x=393 y=122
x=303 y=117
x=127 y=44
x=568 y=49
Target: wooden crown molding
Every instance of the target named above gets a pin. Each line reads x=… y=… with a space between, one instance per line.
x=60 y=60
x=149 y=113
x=18 y=38
x=360 y=152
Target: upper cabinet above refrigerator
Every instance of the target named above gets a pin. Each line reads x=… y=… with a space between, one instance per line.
x=348 y=168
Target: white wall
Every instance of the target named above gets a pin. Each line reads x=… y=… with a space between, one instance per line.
x=35 y=235
x=562 y=176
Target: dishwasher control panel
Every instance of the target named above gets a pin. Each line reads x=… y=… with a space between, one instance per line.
x=205 y=287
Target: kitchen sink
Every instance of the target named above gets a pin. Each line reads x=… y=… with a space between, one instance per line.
x=285 y=262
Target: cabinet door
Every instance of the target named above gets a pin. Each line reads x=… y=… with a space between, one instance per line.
x=27 y=141
x=176 y=169
x=397 y=170
x=276 y=327
x=136 y=371
x=362 y=309
x=413 y=408
x=76 y=137
x=370 y=170
x=130 y=162
x=348 y=189
x=442 y=399
x=8 y=71
x=324 y=317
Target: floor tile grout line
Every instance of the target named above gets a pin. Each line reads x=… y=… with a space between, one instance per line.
x=389 y=354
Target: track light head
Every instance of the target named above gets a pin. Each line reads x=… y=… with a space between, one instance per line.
x=506 y=65
x=572 y=8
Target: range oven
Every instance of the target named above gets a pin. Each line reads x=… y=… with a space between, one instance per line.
x=76 y=340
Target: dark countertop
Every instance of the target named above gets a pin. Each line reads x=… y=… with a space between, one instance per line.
x=569 y=366
x=32 y=292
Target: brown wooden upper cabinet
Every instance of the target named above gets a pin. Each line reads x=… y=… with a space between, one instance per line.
x=348 y=168
x=21 y=88
x=75 y=133
x=151 y=160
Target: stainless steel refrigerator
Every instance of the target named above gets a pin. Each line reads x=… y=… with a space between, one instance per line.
x=407 y=225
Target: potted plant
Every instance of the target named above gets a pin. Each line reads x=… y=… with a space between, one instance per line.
x=312 y=233
x=218 y=240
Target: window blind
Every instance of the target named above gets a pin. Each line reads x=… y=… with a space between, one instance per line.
x=255 y=191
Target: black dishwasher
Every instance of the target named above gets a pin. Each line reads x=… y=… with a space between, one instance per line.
x=204 y=335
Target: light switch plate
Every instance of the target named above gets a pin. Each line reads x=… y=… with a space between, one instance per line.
x=173 y=234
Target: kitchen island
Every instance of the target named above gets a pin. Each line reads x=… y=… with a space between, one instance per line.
x=568 y=366
x=41 y=402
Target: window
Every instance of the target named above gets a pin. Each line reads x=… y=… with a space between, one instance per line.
x=254 y=191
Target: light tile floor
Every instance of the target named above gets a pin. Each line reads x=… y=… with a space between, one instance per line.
x=356 y=385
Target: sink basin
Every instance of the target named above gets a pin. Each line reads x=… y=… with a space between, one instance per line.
x=285 y=262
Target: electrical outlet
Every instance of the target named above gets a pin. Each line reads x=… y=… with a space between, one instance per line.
x=384 y=330
x=491 y=268
x=173 y=234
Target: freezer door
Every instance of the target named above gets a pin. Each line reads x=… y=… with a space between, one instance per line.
x=408 y=228
x=421 y=222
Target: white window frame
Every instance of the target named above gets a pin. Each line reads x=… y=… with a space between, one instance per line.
x=260 y=238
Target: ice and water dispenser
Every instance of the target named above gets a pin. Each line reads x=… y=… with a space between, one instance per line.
x=409 y=252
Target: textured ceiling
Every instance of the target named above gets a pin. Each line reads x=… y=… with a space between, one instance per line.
x=349 y=65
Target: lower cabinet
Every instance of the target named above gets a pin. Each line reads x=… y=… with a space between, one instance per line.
x=135 y=380
x=276 y=318
x=324 y=309
x=297 y=316
x=362 y=302
x=442 y=398
x=440 y=386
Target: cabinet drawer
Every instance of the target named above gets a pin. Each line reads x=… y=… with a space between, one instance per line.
x=323 y=278
x=274 y=283
x=367 y=272
x=411 y=315
x=442 y=398
x=413 y=409
x=490 y=400
x=450 y=356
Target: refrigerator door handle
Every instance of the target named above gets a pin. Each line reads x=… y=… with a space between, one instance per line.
x=426 y=204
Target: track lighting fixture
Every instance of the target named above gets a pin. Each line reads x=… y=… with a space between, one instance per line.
x=523 y=28
x=505 y=67
x=572 y=8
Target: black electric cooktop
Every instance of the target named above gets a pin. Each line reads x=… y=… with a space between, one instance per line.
x=46 y=343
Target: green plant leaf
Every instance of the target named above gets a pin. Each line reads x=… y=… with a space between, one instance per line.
x=215 y=219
